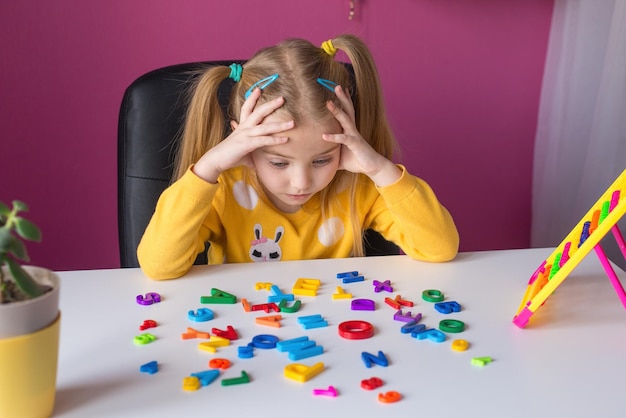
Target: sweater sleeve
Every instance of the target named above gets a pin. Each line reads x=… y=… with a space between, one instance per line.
x=408 y=213
x=177 y=231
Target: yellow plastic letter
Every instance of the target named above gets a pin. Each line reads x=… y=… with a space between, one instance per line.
x=301 y=372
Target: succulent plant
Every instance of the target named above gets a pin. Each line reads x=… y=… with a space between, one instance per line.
x=15 y=282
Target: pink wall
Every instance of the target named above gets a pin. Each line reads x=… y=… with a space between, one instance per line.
x=461 y=79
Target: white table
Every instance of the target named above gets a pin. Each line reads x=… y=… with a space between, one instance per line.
x=568 y=362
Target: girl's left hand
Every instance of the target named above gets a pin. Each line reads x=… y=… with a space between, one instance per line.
x=357 y=155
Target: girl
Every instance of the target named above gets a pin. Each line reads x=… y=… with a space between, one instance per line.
x=301 y=163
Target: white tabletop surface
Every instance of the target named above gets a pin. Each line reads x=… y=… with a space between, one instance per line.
x=568 y=362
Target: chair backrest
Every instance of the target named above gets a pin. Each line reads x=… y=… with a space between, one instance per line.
x=151 y=115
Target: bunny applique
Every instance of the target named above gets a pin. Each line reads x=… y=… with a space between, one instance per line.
x=266 y=249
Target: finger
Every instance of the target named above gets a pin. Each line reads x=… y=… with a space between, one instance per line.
x=346 y=122
x=336 y=138
x=263 y=110
x=265 y=141
x=346 y=101
x=271 y=128
x=249 y=104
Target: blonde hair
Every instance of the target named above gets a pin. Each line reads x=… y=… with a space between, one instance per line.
x=298 y=64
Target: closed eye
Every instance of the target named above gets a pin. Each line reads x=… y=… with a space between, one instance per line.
x=274 y=255
x=256 y=253
x=278 y=164
x=323 y=161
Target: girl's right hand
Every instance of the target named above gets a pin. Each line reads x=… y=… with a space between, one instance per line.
x=248 y=135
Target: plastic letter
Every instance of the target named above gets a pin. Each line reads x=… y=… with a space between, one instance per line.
x=306 y=287
x=369 y=358
x=264 y=341
x=245 y=352
x=148 y=299
x=371 y=383
x=237 y=380
x=206 y=377
x=219 y=296
x=301 y=372
x=219 y=363
x=201 y=315
x=389 y=397
x=447 y=307
x=363 y=305
x=278 y=296
x=230 y=333
x=288 y=345
x=331 y=391
x=191 y=383
x=150 y=368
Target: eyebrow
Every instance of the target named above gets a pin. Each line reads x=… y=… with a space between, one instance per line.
x=328 y=151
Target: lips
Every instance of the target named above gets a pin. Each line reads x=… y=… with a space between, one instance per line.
x=298 y=196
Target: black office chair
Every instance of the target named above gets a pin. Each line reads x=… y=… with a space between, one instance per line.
x=151 y=115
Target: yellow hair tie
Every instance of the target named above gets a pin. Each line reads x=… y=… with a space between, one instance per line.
x=329 y=48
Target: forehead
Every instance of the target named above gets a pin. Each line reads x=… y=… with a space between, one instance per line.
x=305 y=139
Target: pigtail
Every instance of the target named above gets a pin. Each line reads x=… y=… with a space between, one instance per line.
x=204 y=121
x=371 y=119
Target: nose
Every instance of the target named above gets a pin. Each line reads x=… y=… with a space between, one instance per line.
x=301 y=179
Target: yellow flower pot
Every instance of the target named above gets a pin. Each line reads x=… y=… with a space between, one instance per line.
x=29 y=368
x=29 y=347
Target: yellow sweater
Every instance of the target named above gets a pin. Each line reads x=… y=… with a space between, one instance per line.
x=243 y=226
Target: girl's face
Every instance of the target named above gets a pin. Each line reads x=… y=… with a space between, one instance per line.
x=291 y=173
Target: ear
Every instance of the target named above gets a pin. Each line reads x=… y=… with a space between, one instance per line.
x=233 y=124
x=258 y=231
x=279 y=233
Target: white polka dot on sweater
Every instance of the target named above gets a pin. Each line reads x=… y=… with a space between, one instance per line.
x=245 y=195
x=330 y=232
